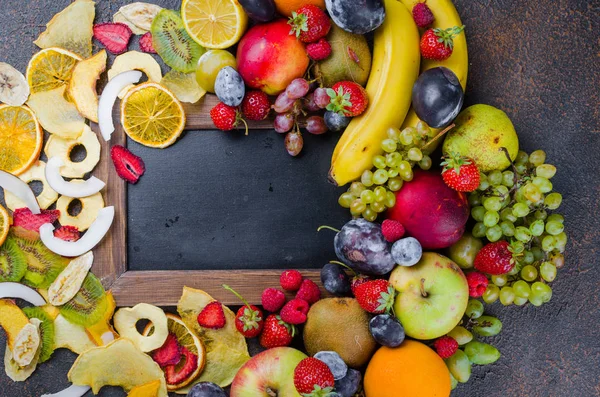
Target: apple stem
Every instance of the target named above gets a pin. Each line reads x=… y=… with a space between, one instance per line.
x=228 y=288
x=271 y=392
x=345 y=266
x=435 y=138
x=423 y=293
x=328 y=227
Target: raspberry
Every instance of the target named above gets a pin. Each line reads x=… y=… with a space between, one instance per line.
x=422 y=15
x=478 y=282
x=309 y=291
x=291 y=280
x=272 y=299
x=445 y=346
x=392 y=230
x=319 y=51
x=294 y=312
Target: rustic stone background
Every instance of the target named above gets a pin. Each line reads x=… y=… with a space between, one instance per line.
x=537 y=60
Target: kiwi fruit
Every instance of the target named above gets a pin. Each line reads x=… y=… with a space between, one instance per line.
x=46 y=331
x=342 y=326
x=43 y=265
x=350 y=59
x=173 y=43
x=13 y=263
x=89 y=304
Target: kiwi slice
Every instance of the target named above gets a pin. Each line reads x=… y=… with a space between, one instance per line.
x=13 y=263
x=43 y=265
x=89 y=304
x=46 y=331
x=173 y=43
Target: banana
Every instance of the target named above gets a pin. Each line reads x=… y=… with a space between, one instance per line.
x=14 y=89
x=395 y=69
x=69 y=281
x=27 y=343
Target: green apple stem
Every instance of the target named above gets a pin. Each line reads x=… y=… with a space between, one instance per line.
x=423 y=293
x=271 y=392
x=345 y=266
x=228 y=288
x=328 y=227
x=438 y=136
x=516 y=174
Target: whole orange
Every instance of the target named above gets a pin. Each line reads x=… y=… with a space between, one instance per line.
x=286 y=7
x=411 y=370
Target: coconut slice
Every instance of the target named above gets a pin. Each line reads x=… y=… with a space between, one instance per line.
x=70 y=189
x=135 y=60
x=90 y=239
x=56 y=114
x=82 y=87
x=45 y=199
x=20 y=291
x=108 y=98
x=20 y=190
x=69 y=281
x=71 y=391
x=60 y=147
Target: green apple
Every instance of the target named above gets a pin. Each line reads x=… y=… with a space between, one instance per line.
x=270 y=373
x=432 y=296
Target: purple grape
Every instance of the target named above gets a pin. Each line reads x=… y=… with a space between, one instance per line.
x=321 y=98
x=310 y=104
x=294 y=143
x=283 y=103
x=283 y=122
x=316 y=125
x=297 y=88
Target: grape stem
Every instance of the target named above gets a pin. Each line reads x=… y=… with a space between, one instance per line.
x=328 y=227
x=441 y=133
x=512 y=165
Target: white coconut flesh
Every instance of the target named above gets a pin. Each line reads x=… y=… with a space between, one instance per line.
x=20 y=291
x=16 y=186
x=109 y=97
x=69 y=189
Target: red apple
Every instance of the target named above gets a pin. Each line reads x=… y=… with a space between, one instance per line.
x=430 y=211
x=269 y=57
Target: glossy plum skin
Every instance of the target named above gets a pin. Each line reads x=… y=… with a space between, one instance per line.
x=259 y=10
x=437 y=97
x=356 y=16
x=430 y=211
x=269 y=58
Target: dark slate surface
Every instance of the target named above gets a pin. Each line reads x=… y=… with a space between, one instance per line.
x=536 y=60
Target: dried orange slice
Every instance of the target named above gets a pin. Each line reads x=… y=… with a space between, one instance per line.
x=21 y=139
x=152 y=116
x=51 y=68
x=214 y=24
x=4 y=224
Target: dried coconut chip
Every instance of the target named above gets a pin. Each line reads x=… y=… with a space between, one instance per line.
x=20 y=291
x=74 y=190
x=20 y=189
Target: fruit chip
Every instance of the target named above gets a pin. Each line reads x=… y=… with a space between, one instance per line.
x=119 y=18
x=183 y=85
x=71 y=336
x=140 y=14
x=135 y=60
x=61 y=147
x=56 y=114
x=82 y=87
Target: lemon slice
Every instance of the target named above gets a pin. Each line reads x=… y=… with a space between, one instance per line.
x=152 y=116
x=214 y=23
x=51 y=68
x=21 y=139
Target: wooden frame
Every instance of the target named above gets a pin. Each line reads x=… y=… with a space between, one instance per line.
x=163 y=288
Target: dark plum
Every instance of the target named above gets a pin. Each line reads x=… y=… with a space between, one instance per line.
x=407 y=251
x=338 y=367
x=336 y=122
x=230 y=87
x=335 y=280
x=387 y=330
x=259 y=10
x=356 y=16
x=361 y=245
x=349 y=384
x=206 y=389
x=437 y=97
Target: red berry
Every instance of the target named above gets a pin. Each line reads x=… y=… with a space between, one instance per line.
x=291 y=280
x=392 y=230
x=224 y=117
x=256 y=106
x=437 y=44
x=495 y=258
x=146 y=43
x=169 y=353
x=272 y=299
x=312 y=375
x=128 y=166
x=319 y=51
x=445 y=346
x=67 y=233
x=249 y=319
x=422 y=15
x=460 y=173
x=309 y=291
x=358 y=280
x=23 y=217
x=478 y=282
x=175 y=374
x=375 y=296
x=212 y=316
x=309 y=23
x=114 y=36
x=294 y=312
x=276 y=333
x=347 y=98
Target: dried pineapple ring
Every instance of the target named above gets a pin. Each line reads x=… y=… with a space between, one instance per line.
x=60 y=147
x=36 y=173
x=90 y=206
x=135 y=60
x=125 y=321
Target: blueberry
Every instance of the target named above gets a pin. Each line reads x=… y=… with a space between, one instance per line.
x=335 y=280
x=206 y=389
x=229 y=86
x=407 y=251
x=437 y=97
x=335 y=363
x=387 y=330
x=356 y=16
x=336 y=122
x=349 y=384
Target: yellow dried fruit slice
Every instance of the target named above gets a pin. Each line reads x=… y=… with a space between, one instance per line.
x=50 y=68
x=140 y=14
x=212 y=24
x=61 y=147
x=183 y=85
x=119 y=363
x=71 y=29
x=4 y=224
x=71 y=336
x=12 y=320
x=57 y=115
x=100 y=332
x=226 y=348
x=119 y=18
x=125 y=321
x=90 y=206
x=21 y=139
x=135 y=60
x=45 y=199
x=152 y=116
x=82 y=88
x=148 y=390
x=16 y=373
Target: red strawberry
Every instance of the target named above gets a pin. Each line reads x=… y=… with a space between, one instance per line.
x=249 y=319
x=347 y=98
x=495 y=258
x=422 y=15
x=392 y=230
x=169 y=353
x=146 y=43
x=357 y=280
x=276 y=333
x=309 y=23
x=114 y=36
x=24 y=218
x=312 y=377
x=460 y=173
x=128 y=166
x=272 y=299
x=309 y=291
x=290 y=280
x=437 y=44
x=212 y=316
x=319 y=51
x=256 y=106
x=175 y=374
x=375 y=296
x=294 y=312
x=226 y=118
x=477 y=282
x=67 y=233
x=445 y=346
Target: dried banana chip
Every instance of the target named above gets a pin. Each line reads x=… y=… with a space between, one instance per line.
x=90 y=206
x=69 y=281
x=45 y=199
x=119 y=18
x=82 y=87
x=60 y=147
x=135 y=60
x=56 y=114
x=16 y=373
x=14 y=89
x=27 y=343
x=140 y=14
x=183 y=85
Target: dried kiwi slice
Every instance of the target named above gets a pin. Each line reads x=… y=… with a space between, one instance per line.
x=13 y=263
x=46 y=331
x=173 y=43
x=89 y=305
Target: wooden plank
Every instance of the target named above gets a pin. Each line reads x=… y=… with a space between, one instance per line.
x=198 y=116
x=164 y=287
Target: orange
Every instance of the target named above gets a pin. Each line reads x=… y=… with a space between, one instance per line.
x=286 y=7
x=411 y=370
x=21 y=139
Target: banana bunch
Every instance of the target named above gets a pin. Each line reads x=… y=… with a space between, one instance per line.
x=396 y=66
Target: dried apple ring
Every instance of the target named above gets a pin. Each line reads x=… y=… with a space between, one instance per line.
x=125 y=323
x=90 y=206
x=60 y=147
x=34 y=174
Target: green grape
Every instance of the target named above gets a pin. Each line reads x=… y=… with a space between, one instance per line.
x=521 y=289
x=474 y=199
x=492 y=203
x=379 y=161
x=404 y=166
x=369 y=214
x=540 y=214
x=545 y=171
x=548 y=271
x=508 y=178
x=521 y=169
x=491 y=293
x=461 y=335
x=548 y=243
x=514 y=271
x=464 y=251
x=474 y=308
x=367 y=196
x=480 y=353
x=356 y=188
x=557 y=260
x=393 y=133
x=500 y=280
x=483 y=185
x=519 y=198
x=407 y=136
x=378 y=207
x=522 y=234
x=494 y=233
x=407 y=175
x=477 y=213
x=543 y=184
x=520 y=210
x=532 y=193
x=495 y=178
x=392 y=173
x=522 y=157
x=490 y=218
x=479 y=230
x=357 y=206
x=508 y=228
x=555 y=218
x=388 y=145
x=518 y=247
x=553 y=200
x=543 y=290
x=414 y=154
x=423 y=129
x=507 y=296
x=537 y=158
x=393 y=159
x=560 y=241
x=537 y=228
x=459 y=366
x=390 y=199
x=519 y=301
x=554 y=228
x=453 y=382
x=380 y=194
x=536 y=300
x=395 y=184
x=487 y=326
x=354 y=213
x=537 y=252
x=425 y=163
x=507 y=215
x=367 y=178
x=529 y=273
x=528 y=258
x=502 y=191
x=346 y=199
x=380 y=177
